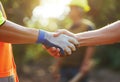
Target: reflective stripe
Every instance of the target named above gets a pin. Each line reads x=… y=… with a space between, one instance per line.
x=7 y=79
x=2 y=19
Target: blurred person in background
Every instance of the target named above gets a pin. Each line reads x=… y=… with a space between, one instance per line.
x=76 y=67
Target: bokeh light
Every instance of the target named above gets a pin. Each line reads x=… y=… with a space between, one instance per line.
x=51 y=9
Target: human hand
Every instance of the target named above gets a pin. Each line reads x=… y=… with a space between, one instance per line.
x=65 y=43
x=64 y=31
x=55 y=52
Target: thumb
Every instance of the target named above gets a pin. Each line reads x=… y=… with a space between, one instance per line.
x=63 y=31
x=57 y=33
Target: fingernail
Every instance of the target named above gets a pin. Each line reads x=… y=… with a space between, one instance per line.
x=74 y=49
x=53 y=48
x=58 y=49
x=69 y=53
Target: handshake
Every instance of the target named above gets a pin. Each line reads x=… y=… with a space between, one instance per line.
x=58 y=44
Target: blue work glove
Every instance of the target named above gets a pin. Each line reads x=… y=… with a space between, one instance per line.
x=65 y=43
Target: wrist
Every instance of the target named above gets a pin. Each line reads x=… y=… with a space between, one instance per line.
x=41 y=36
x=77 y=37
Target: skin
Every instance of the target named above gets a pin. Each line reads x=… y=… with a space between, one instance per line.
x=109 y=34
x=17 y=34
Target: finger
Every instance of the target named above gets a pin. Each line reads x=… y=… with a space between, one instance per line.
x=44 y=46
x=55 y=52
x=52 y=49
x=72 y=47
x=58 y=49
x=57 y=55
x=73 y=41
x=58 y=32
x=63 y=31
x=68 y=51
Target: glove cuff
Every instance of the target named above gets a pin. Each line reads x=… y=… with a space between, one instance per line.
x=41 y=36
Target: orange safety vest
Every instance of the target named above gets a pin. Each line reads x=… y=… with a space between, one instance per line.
x=7 y=64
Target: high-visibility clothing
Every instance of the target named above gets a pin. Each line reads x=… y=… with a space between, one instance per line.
x=7 y=64
x=2 y=20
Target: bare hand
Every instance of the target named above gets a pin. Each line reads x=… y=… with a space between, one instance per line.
x=64 y=31
x=55 y=52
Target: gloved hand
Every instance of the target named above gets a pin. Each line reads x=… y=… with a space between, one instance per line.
x=65 y=43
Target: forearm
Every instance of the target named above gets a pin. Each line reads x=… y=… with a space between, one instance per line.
x=106 y=35
x=16 y=34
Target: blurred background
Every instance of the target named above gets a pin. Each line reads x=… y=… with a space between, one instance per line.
x=34 y=63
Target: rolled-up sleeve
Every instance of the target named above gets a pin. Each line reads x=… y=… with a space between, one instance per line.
x=2 y=19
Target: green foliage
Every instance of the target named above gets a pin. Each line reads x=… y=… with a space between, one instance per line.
x=109 y=56
x=34 y=52
x=104 y=12
x=16 y=10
